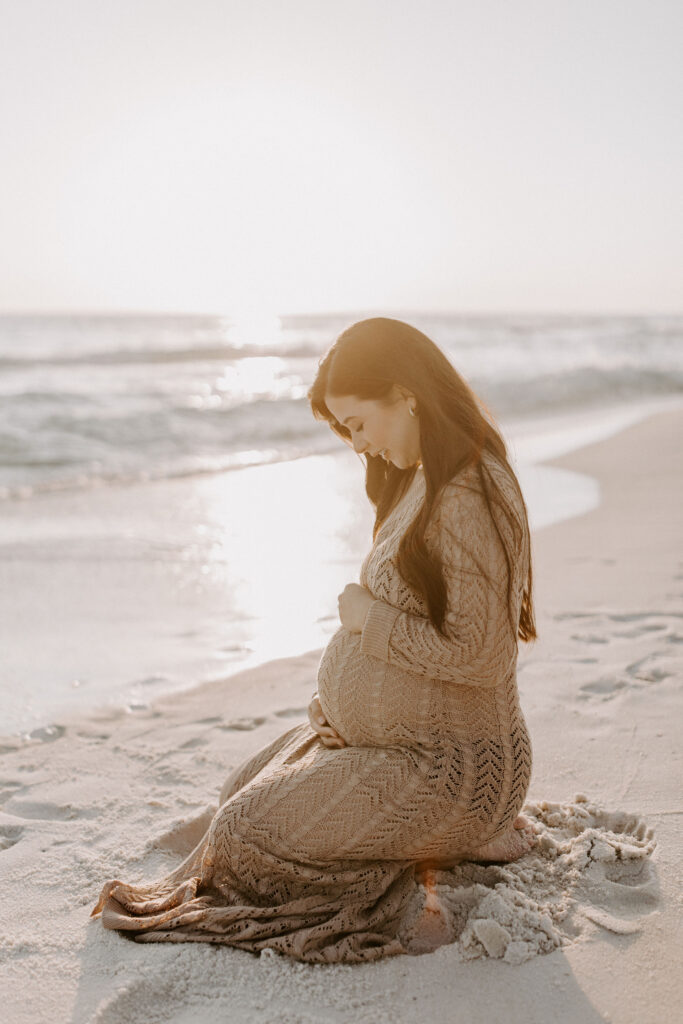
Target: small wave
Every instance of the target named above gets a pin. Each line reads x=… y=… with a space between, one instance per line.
x=84 y=481
x=138 y=357
x=583 y=387
x=93 y=403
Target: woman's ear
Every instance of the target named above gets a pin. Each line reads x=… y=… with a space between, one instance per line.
x=404 y=393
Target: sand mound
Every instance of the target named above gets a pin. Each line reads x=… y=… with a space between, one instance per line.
x=588 y=867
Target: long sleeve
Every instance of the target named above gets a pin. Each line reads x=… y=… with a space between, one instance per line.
x=479 y=645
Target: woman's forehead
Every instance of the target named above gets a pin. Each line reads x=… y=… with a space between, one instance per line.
x=343 y=407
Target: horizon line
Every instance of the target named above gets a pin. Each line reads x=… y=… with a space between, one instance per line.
x=362 y=312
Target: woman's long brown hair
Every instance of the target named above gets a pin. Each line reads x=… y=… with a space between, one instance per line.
x=368 y=360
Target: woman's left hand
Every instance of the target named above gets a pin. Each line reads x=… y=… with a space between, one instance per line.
x=354 y=602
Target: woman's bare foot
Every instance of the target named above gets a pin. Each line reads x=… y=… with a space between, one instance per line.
x=512 y=845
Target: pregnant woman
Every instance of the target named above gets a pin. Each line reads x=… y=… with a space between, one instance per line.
x=416 y=754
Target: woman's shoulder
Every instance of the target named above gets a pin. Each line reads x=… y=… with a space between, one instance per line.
x=469 y=494
x=458 y=502
x=466 y=482
x=470 y=477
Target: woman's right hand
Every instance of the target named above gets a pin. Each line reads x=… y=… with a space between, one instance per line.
x=329 y=736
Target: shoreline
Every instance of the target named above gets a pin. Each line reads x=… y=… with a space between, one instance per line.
x=536 y=438
x=120 y=794
x=125 y=594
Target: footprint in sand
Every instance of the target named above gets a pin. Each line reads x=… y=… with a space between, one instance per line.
x=652 y=668
x=10 y=788
x=198 y=741
x=642 y=622
x=618 y=631
x=647 y=670
x=605 y=688
x=46 y=733
x=152 y=681
x=641 y=617
x=242 y=724
x=292 y=713
x=640 y=631
x=10 y=834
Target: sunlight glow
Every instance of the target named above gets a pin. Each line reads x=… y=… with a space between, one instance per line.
x=251 y=327
x=279 y=543
x=253 y=377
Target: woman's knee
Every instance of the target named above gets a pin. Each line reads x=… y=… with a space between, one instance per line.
x=231 y=785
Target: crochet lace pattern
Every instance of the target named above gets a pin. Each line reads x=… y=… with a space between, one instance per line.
x=312 y=851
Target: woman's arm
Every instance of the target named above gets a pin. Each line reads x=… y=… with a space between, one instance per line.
x=479 y=645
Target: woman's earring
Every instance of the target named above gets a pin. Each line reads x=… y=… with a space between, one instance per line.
x=411 y=410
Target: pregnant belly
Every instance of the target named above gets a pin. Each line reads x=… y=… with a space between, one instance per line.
x=368 y=702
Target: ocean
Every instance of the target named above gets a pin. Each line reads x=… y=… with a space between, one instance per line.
x=171 y=512
x=95 y=400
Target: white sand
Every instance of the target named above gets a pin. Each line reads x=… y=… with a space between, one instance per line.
x=585 y=929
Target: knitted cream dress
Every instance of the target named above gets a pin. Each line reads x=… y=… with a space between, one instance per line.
x=312 y=851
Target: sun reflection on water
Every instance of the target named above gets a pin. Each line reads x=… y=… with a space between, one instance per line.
x=255 y=377
x=284 y=540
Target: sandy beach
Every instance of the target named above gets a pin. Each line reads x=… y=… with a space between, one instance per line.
x=584 y=929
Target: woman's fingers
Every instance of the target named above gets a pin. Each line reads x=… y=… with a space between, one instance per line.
x=315 y=712
x=337 y=743
x=323 y=729
x=317 y=719
x=329 y=736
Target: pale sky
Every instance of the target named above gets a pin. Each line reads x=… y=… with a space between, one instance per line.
x=292 y=156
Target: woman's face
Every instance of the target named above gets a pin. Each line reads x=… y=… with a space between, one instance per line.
x=386 y=430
